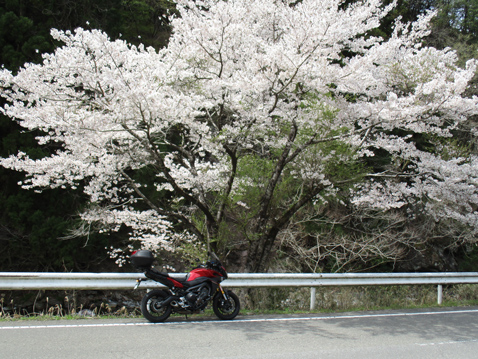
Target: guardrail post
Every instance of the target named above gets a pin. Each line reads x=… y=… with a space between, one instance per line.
x=440 y=294
x=312 y=298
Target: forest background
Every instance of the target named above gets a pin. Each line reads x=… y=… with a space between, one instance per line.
x=39 y=231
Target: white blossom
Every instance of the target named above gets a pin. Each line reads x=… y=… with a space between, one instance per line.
x=241 y=76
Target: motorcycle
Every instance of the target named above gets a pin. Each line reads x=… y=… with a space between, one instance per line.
x=187 y=295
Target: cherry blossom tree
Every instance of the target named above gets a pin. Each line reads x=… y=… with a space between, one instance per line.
x=254 y=110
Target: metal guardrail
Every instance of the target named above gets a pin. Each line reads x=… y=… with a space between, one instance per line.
x=60 y=281
x=126 y=281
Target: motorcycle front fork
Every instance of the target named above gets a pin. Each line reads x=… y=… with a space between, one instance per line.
x=223 y=292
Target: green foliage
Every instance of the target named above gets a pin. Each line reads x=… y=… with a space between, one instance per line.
x=468 y=259
x=456 y=26
x=31 y=224
x=19 y=42
x=460 y=15
x=25 y=25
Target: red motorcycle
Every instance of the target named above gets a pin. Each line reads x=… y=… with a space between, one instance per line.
x=187 y=295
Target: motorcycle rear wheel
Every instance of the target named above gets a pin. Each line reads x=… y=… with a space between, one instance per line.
x=226 y=309
x=151 y=307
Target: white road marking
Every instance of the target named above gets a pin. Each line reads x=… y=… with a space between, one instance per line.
x=449 y=342
x=237 y=321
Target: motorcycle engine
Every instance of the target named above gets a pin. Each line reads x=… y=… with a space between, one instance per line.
x=191 y=298
x=197 y=299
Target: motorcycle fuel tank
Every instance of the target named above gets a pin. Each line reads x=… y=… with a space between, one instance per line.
x=202 y=272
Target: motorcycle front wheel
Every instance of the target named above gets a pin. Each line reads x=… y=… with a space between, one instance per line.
x=226 y=309
x=152 y=308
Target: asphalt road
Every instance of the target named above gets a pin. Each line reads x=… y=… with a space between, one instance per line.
x=429 y=333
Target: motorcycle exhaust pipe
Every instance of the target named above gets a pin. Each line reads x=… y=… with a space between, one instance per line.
x=170 y=300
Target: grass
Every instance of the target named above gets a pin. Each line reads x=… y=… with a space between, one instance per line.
x=9 y=311
x=282 y=301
